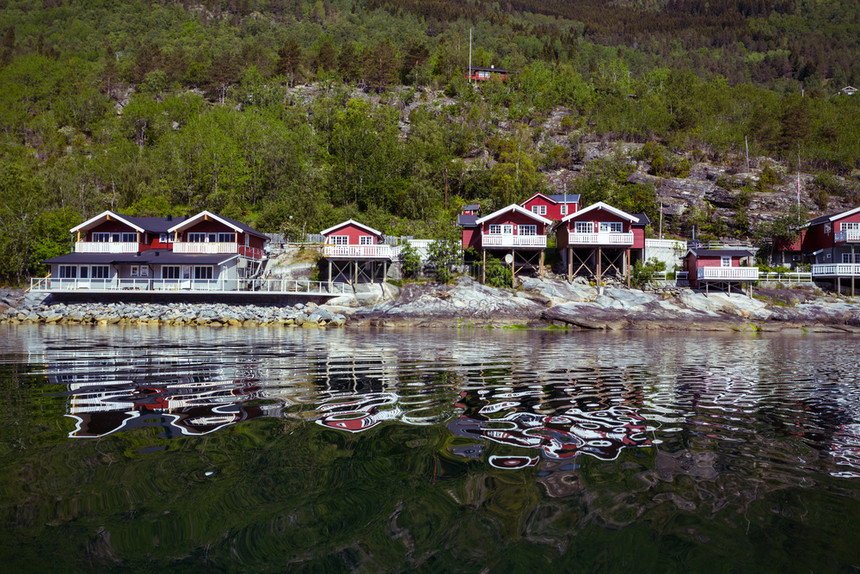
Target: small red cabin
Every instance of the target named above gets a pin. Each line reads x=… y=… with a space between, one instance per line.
x=720 y=266
x=355 y=253
x=491 y=73
x=554 y=207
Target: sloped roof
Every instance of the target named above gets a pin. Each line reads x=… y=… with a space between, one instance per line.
x=831 y=217
x=722 y=252
x=514 y=207
x=350 y=222
x=148 y=257
x=236 y=225
x=607 y=207
x=466 y=220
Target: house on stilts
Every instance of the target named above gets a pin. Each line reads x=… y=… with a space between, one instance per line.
x=721 y=268
x=601 y=240
x=356 y=253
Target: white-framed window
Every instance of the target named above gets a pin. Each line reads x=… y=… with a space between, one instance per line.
x=144 y=270
x=195 y=237
x=850 y=226
x=827 y=228
x=495 y=229
x=203 y=272
x=339 y=239
x=527 y=230
x=100 y=237
x=846 y=258
x=725 y=261
x=165 y=237
x=507 y=229
x=100 y=272
x=135 y=271
x=611 y=227
x=583 y=227
x=539 y=209
x=564 y=209
x=68 y=271
x=170 y=272
x=365 y=240
x=226 y=238
x=84 y=271
x=129 y=238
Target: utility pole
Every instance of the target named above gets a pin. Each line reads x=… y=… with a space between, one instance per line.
x=470 y=55
x=446 y=188
x=747 y=147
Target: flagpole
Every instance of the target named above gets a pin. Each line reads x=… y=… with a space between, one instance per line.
x=661 y=220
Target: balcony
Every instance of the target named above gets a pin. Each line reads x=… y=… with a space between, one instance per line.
x=601 y=239
x=106 y=247
x=727 y=273
x=510 y=241
x=358 y=251
x=217 y=248
x=848 y=236
x=836 y=270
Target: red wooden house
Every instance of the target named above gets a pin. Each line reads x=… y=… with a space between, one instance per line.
x=601 y=239
x=115 y=251
x=552 y=206
x=512 y=229
x=720 y=267
x=355 y=252
x=485 y=74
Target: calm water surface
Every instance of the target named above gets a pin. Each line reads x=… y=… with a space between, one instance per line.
x=453 y=450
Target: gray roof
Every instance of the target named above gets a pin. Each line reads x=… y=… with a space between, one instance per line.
x=153 y=224
x=560 y=197
x=472 y=207
x=148 y=257
x=723 y=252
x=243 y=227
x=643 y=219
x=464 y=220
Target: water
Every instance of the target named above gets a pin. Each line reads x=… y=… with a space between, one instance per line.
x=449 y=450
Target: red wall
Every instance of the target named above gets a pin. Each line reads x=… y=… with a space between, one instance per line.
x=638 y=237
x=353 y=232
x=471 y=238
x=208 y=227
x=109 y=227
x=512 y=218
x=553 y=210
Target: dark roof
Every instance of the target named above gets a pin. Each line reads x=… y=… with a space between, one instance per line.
x=723 y=252
x=559 y=197
x=500 y=70
x=153 y=224
x=243 y=227
x=464 y=220
x=822 y=219
x=148 y=257
x=643 y=219
x=472 y=207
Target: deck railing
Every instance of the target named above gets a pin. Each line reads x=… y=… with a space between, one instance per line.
x=836 y=270
x=499 y=240
x=106 y=247
x=786 y=278
x=727 y=273
x=848 y=235
x=358 y=251
x=267 y=285
x=217 y=248
x=606 y=238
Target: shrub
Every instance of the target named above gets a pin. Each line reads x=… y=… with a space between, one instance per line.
x=498 y=274
x=643 y=273
x=443 y=254
x=410 y=262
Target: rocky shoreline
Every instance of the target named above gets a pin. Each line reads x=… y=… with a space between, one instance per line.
x=467 y=303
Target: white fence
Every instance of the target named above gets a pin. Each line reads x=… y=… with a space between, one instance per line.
x=848 y=235
x=106 y=247
x=600 y=238
x=727 y=273
x=496 y=240
x=268 y=285
x=785 y=278
x=836 y=270
x=368 y=251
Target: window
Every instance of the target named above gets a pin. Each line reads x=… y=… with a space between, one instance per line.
x=203 y=272
x=365 y=240
x=564 y=209
x=165 y=237
x=101 y=237
x=196 y=237
x=539 y=209
x=84 y=271
x=495 y=229
x=135 y=270
x=339 y=239
x=144 y=270
x=528 y=230
x=68 y=272
x=507 y=229
x=827 y=229
x=100 y=272
x=129 y=238
x=226 y=238
x=846 y=258
x=583 y=227
x=611 y=227
x=212 y=237
x=170 y=272
x=725 y=261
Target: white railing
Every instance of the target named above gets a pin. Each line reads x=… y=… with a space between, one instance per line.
x=727 y=273
x=606 y=238
x=665 y=244
x=836 y=270
x=106 y=247
x=369 y=251
x=497 y=240
x=268 y=285
x=790 y=277
x=848 y=235
x=217 y=248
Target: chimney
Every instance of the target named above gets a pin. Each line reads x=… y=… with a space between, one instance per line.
x=157 y=252
x=186 y=216
x=169 y=217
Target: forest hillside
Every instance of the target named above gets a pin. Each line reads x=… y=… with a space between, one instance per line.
x=293 y=115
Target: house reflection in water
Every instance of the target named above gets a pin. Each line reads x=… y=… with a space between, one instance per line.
x=184 y=404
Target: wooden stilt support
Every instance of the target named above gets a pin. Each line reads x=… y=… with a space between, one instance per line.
x=513 y=271
x=599 y=261
x=839 y=285
x=329 y=276
x=627 y=266
x=569 y=265
x=540 y=265
x=484 y=269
